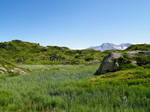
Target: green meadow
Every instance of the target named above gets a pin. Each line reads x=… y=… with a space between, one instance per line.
x=74 y=88
x=58 y=79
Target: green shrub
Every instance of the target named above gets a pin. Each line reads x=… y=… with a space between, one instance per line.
x=142 y=59
x=125 y=62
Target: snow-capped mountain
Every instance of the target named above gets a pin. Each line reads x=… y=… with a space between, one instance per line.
x=110 y=46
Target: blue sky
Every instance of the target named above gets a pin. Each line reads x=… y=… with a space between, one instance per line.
x=75 y=23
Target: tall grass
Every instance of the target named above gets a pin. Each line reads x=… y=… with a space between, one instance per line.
x=69 y=89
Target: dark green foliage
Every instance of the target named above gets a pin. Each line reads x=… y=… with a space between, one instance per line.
x=147 y=65
x=89 y=58
x=125 y=62
x=142 y=59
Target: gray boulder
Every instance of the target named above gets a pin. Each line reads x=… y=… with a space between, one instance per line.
x=109 y=63
x=17 y=70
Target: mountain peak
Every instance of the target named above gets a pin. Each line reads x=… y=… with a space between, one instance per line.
x=111 y=46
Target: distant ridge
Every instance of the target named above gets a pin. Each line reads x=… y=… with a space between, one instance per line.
x=21 y=52
x=111 y=46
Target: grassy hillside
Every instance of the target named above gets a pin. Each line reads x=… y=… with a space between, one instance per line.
x=18 y=51
x=145 y=47
x=122 y=91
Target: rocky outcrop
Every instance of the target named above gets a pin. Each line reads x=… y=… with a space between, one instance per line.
x=109 y=63
x=17 y=70
x=2 y=70
x=134 y=53
x=9 y=68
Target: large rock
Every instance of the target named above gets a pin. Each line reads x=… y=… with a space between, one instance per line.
x=109 y=64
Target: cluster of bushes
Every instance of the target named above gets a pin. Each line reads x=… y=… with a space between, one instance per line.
x=125 y=62
x=142 y=59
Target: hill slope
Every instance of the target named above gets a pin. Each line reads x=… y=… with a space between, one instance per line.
x=145 y=47
x=18 y=51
